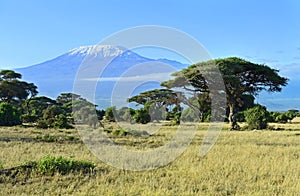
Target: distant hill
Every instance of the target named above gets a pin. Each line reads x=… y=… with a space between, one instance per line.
x=288 y=98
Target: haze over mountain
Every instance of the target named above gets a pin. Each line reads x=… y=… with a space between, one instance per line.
x=57 y=75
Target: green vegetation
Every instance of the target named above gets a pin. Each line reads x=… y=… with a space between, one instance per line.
x=9 y=115
x=142 y=116
x=283 y=117
x=257 y=117
x=119 y=131
x=19 y=104
x=50 y=165
x=14 y=91
x=241 y=78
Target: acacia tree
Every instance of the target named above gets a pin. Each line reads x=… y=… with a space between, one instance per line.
x=64 y=98
x=35 y=107
x=240 y=77
x=155 y=100
x=14 y=90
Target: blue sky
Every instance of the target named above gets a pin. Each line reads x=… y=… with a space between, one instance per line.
x=267 y=31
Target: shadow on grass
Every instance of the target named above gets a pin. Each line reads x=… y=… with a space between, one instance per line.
x=45 y=138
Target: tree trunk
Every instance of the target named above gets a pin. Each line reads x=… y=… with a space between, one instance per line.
x=232 y=117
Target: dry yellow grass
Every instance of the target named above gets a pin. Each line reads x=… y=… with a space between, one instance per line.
x=240 y=163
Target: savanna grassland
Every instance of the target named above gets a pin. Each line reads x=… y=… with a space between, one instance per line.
x=240 y=163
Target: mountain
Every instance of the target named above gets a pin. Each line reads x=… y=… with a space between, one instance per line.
x=288 y=98
x=57 y=75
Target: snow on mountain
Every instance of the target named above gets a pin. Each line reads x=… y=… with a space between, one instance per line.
x=95 y=50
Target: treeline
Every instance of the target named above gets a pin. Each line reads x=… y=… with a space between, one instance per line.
x=164 y=104
x=21 y=105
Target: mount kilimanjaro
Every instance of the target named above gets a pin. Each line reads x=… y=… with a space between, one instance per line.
x=57 y=75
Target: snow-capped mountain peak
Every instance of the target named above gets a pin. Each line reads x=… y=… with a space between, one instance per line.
x=96 y=50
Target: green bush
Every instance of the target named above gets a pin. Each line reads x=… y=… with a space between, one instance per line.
x=50 y=165
x=9 y=115
x=281 y=118
x=61 y=122
x=54 y=117
x=291 y=114
x=257 y=117
x=1 y=165
x=142 y=116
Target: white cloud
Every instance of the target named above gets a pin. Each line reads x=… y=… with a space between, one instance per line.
x=148 y=77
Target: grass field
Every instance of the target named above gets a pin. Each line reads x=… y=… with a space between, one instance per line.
x=240 y=163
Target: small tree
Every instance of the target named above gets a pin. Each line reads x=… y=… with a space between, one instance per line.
x=9 y=115
x=256 y=117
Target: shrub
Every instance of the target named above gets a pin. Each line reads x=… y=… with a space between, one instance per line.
x=54 y=117
x=291 y=114
x=281 y=118
x=50 y=164
x=1 y=165
x=272 y=116
x=256 y=117
x=9 y=115
x=142 y=116
x=61 y=122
